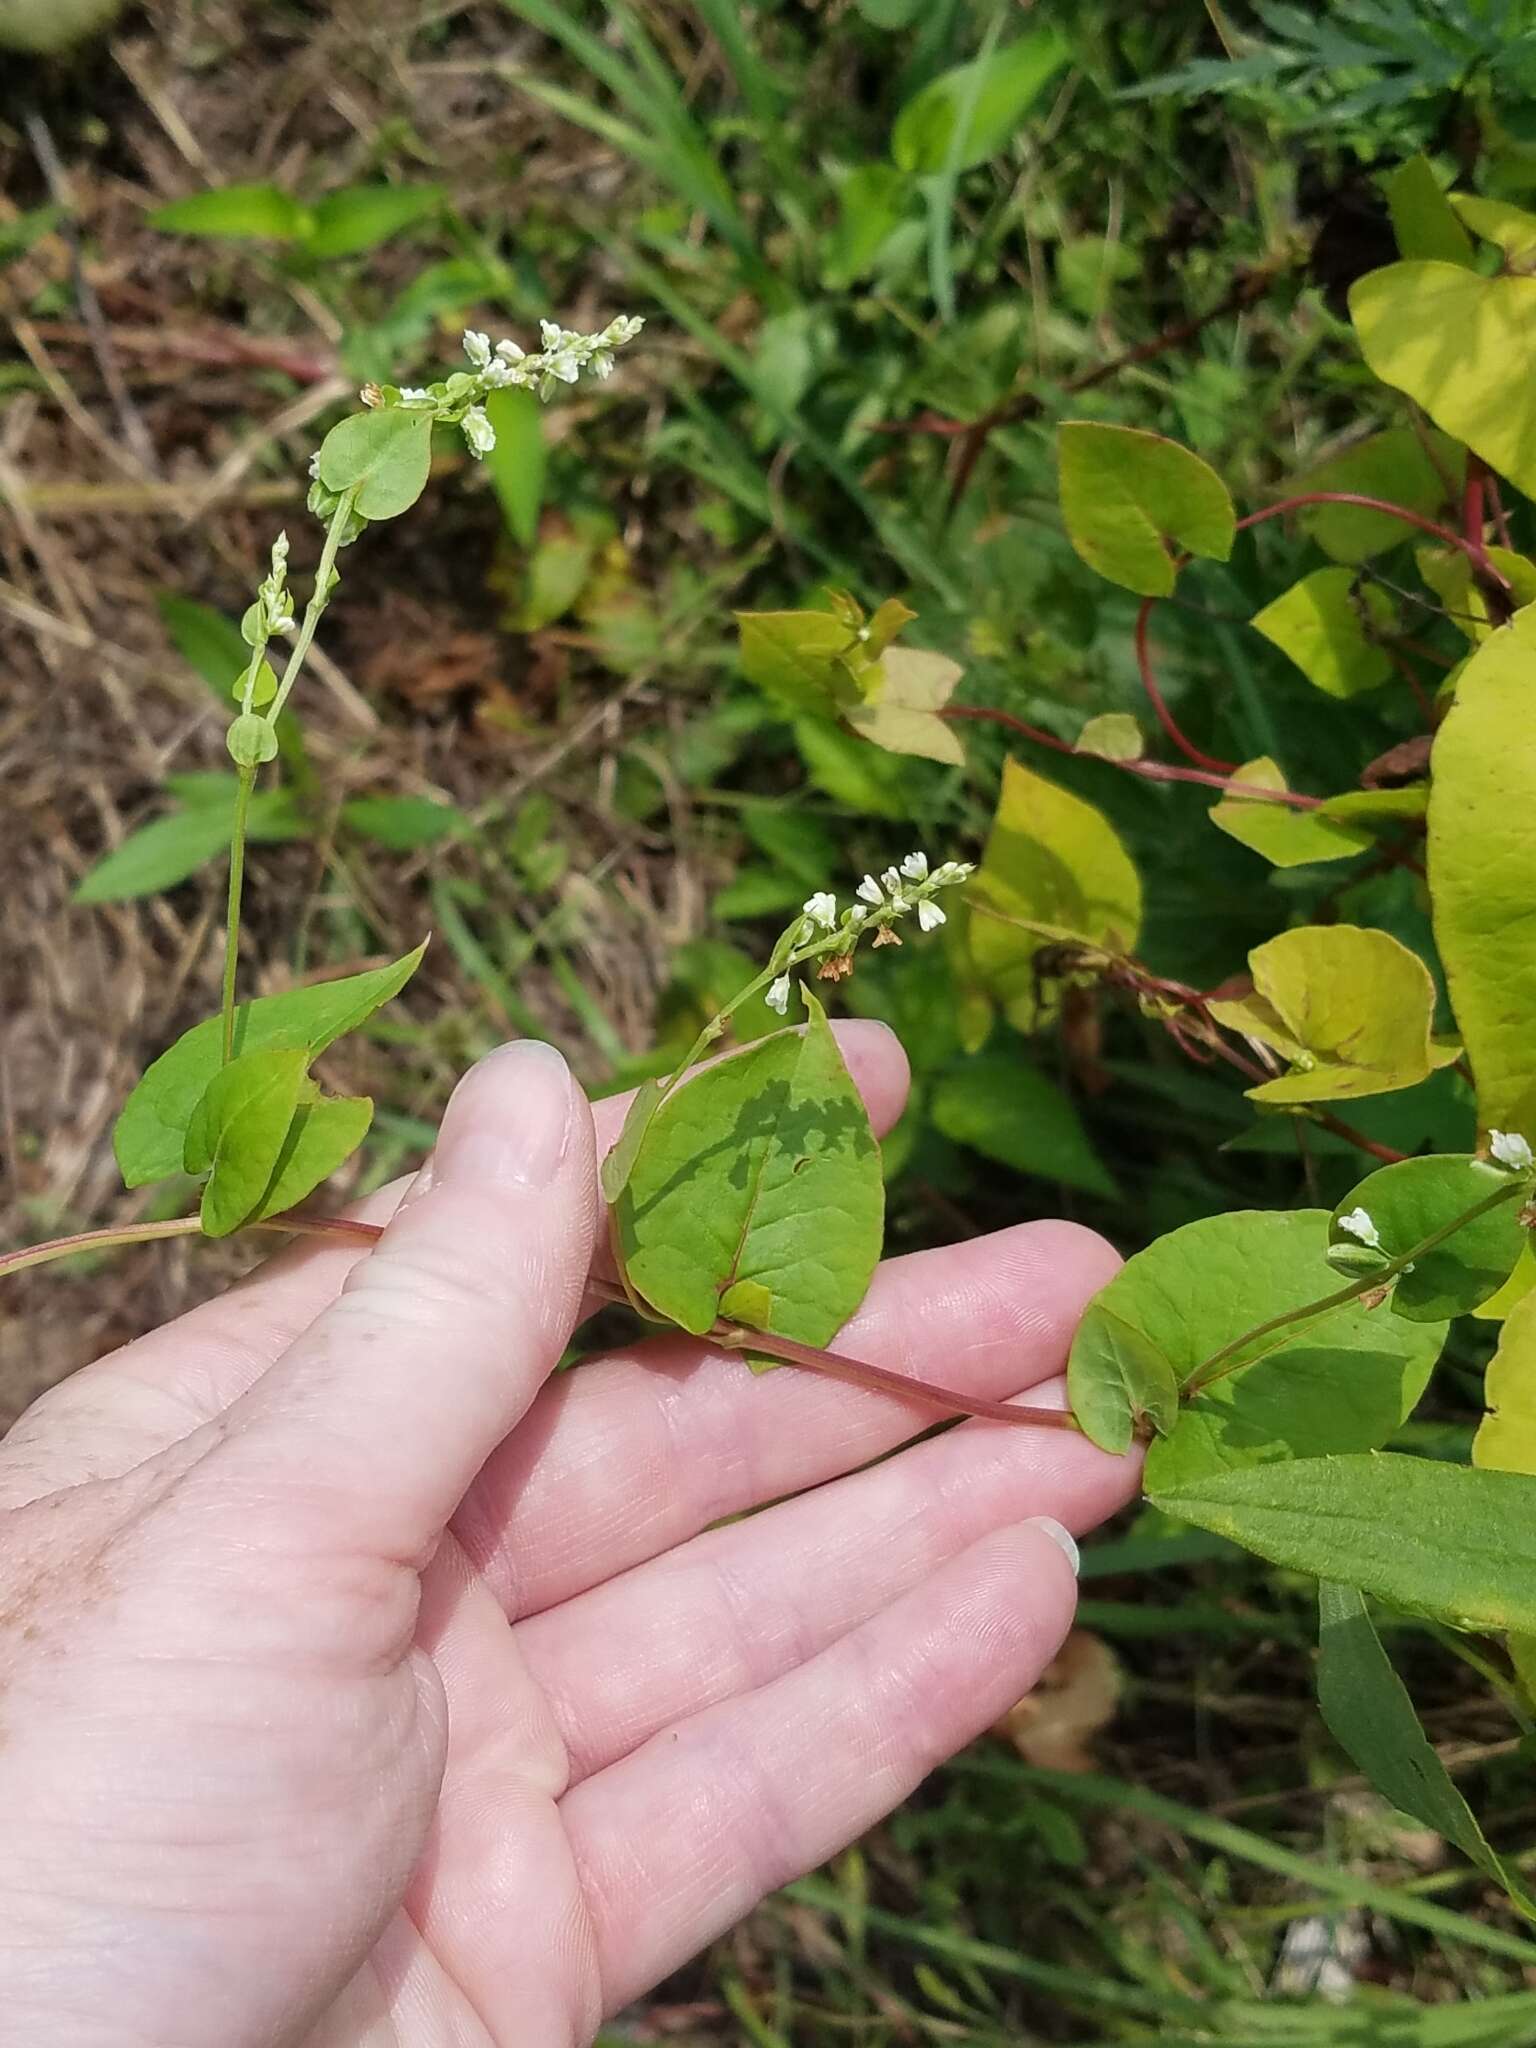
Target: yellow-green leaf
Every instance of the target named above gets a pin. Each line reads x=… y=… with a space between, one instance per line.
x=1131 y=500
x=1521 y=1282
x=1056 y=867
x=1287 y=838
x=1506 y=1436
x=1454 y=342
x=1509 y=228
x=810 y=661
x=326 y=1130
x=1113 y=736
x=1448 y=573
x=1328 y=623
x=1482 y=870
x=1350 y=1008
x=902 y=716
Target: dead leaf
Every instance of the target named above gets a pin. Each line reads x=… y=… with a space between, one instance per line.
x=1077 y=1695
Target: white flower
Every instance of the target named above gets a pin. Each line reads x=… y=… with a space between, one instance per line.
x=553 y=337
x=929 y=916
x=509 y=351
x=857 y=913
x=497 y=375
x=1511 y=1150
x=892 y=881
x=478 y=431
x=279 y=554
x=870 y=890
x=915 y=867
x=314 y=465
x=953 y=871
x=1359 y=1225
x=777 y=997
x=478 y=348
x=409 y=395
x=822 y=909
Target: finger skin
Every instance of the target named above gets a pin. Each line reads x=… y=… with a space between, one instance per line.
x=681 y=1839
x=629 y=1455
x=374 y=1422
x=740 y=1605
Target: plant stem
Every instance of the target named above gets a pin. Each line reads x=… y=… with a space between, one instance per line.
x=732 y=1336
x=246 y=783
x=1155 y=698
x=1226 y=1360
x=319 y=598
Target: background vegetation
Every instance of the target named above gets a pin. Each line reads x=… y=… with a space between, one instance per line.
x=531 y=733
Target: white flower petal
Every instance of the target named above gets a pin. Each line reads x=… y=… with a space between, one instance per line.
x=1358 y=1224
x=915 y=867
x=777 y=997
x=1511 y=1150
x=870 y=890
x=477 y=347
x=821 y=909
x=929 y=916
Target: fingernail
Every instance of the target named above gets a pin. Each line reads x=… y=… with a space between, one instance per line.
x=508 y=1122
x=1063 y=1538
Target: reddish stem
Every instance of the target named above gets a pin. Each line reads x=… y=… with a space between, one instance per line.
x=1149 y=771
x=1165 y=717
x=1500 y=521
x=1475 y=552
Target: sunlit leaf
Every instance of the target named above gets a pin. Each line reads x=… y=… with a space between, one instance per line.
x=325 y=1131
x=1112 y=736
x=1506 y=1436
x=913 y=686
x=258 y=213
x=1423 y=218
x=809 y=661
x=1449 y=575
x=1508 y=227
x=762 y=1168
x=1447 y=1541
x=1482 y=860
x=1351 y=1010
x=149 y=1138
x=1287 y=838
x=1131 y=500
x=1328 y=624
x=1447 y=337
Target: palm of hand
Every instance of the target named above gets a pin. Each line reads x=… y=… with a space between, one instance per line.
x=334 y=1708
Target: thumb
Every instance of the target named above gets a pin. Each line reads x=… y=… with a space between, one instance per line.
x=381 y=1414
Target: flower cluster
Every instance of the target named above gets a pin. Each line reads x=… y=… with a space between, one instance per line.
x=1510 y=1150
x=460 y=399
x=825 y=931
x=273 y=610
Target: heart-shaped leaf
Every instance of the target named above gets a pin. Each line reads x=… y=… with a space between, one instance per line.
x=902 y=714
x=1132 y=499
x=761 y=1169
x=384 y=457
x=1412 y=1200
x=235 y=1134
x=1343 y=1382
x=1286 y=837
x=1328 y=623
x=151 y=1132
x=1117 y=1380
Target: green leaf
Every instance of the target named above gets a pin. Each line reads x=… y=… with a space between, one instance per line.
x=517 y=463
x=326 y=1130
x=236 y=1131
x=206 y=642
x=1326 y=624
x=361 y=217
x=1482 y=856
x=1112 y=736
x=762 y=1168
x=864 y=778
x=150 y=1135
x=1132 y=499
x=385 y=456
x=1055 y=862
x=902 y=717
x=803 y=659
x=245 y=213
x=1409 y=1202
x=1350 y=1008
x=1343 y=1382
x=1286 y=838
x=872 y=202
x=1006 y=1109
x=1448 y=337
x=1446 y=1541
x=619 y=1163
x=1371 y=1717
x=1448 y=573
x=403 y=823
x=160 y=855
x=1423 y=219
x=1506 y=1436
x=966 y=115
x=891 y=14
x=1118 y=1380
x=1421 y=470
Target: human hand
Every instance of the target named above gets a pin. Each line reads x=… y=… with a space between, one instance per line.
x=360 y=1683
